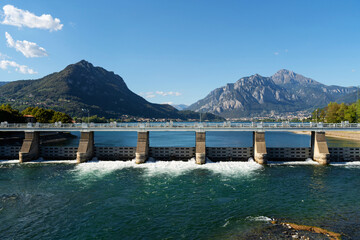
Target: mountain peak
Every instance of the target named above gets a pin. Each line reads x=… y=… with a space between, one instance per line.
x=284 y=71
x=284 y=76
x=84 y=64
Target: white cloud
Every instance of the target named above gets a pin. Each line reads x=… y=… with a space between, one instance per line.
x=276 y=53
x=170 y=103
x=3 y=56
x=5 y=64
x=161 y=93
x=29 y=49
x=22 y=18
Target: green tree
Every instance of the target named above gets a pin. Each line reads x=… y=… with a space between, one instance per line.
x=350 y=113
x=61 y=117
x=357 y=110
x=332 y=112
x=8 y=114
x=341 y=112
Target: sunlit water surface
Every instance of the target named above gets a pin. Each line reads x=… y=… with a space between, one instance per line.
x=176 y=200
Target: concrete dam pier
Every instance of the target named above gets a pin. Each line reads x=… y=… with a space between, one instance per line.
x=318 y=150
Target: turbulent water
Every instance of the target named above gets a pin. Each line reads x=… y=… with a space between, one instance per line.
x=175 y=200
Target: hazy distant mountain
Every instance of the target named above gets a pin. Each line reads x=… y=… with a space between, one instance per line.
x=179 y=106
x=256 y=95
x=83 y=86
x=3 y=83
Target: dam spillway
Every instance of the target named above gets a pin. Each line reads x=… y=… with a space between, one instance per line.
x=87 y=149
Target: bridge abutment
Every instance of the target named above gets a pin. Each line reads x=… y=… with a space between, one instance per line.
x=142 y=148
x=30 y=148
x=200 y=147
x=319 y=148
x=86 y=147
x=260 y=153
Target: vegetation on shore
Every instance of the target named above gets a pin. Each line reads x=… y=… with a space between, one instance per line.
x=9 y=114
x=335 y=113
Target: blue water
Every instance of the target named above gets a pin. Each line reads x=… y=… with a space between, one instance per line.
x=176 y=200
x=187 y=139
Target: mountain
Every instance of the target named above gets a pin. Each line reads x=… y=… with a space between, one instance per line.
x=256 y=95
x=247 y=97
x=83 y=86
x=179 y=106
x=3 y=83
x=311 y=93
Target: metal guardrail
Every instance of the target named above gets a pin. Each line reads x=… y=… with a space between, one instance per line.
x=186 y=126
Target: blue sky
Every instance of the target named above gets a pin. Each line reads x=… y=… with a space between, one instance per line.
x=178 y=51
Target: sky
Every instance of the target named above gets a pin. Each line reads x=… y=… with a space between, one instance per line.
x=177 y=51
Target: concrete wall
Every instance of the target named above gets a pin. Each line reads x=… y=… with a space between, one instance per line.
x=260 y=153
x=30 y=149
x=344 y=154
x=86 y=147
x=172 y=153
x=142 y=148
x=293 y=154
x=229 y=153
x=115 y=153
x=58 y=153
x=9 y=152
x=320 y=148
x=200 y=147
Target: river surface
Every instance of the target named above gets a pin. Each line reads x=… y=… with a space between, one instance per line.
x=177 y=200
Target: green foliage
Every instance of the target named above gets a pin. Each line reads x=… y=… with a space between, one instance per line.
x=335 y=113
x=94 y=119
x=47 y=115
x=187 y=114
x=8 y=114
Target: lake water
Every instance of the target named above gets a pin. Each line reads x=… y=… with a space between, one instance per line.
x=177 y=200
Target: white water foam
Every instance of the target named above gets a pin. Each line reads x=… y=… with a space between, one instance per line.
x=51 y=161
x=40 y=160
x=308 y=161
x=355 y=164
x=9 y=161
x=259 y=219
x=173 y=168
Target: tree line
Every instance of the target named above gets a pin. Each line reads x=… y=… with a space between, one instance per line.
x=335 y=113
x=9 y=114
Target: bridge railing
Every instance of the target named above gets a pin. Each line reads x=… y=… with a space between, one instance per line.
x=185 y=125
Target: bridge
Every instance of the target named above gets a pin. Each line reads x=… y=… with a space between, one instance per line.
x=180 y=126
x=86 y=150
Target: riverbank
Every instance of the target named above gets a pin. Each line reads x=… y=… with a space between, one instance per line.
x=338 y=134
x=282 y=230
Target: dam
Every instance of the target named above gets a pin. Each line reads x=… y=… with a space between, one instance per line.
x=318 y=150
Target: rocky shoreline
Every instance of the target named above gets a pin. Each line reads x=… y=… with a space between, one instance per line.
x=282 y=231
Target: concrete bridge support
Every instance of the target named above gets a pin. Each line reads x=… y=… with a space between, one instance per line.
x=86 y=147
x=319 y=148
x=142 y=148
x=30 y=148
x=259 y=147
x=200 y=151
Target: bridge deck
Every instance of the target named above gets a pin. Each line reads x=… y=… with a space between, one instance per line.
x=179 y=126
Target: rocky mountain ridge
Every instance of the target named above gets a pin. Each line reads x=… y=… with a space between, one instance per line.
x=256 y=95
